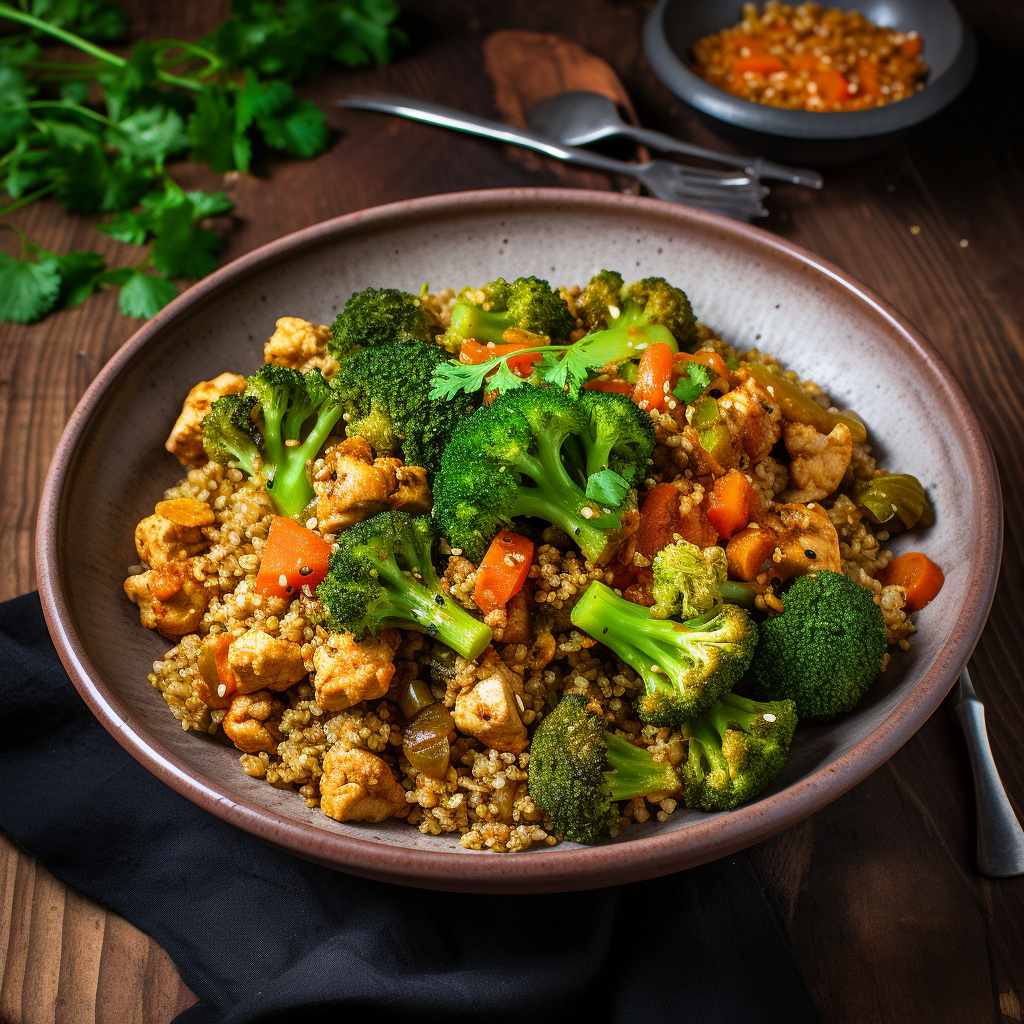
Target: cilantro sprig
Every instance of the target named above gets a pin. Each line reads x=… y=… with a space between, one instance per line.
x=97 y=134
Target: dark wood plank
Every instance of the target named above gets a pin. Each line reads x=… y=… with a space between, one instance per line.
x=889 y=919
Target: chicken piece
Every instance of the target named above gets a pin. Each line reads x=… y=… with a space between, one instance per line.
x=349 y=487
x=186 y=437
x=299 y=345
x=752 y=417
x=819 y=462
x=250 y=725
x=346 y=672
x=159 y=540
x=261 y=661
x=358 y=786
x=489 y=710
x=792 y=541
x=408 y=490
x=170 y=599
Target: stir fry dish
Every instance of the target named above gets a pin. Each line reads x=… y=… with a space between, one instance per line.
x=804 y=57
x=522 y=563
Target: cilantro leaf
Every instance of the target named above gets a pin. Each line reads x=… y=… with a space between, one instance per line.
x=143 y=295
x=209 y=204
x=152 y=133
x=80 y=274
x=179 y=248
x=504 y=379
x=607 y=487
x=212 y=129
x=692 y=382
x=28 y=289
x=299 y=129
x=448 y=379
x=93 y=19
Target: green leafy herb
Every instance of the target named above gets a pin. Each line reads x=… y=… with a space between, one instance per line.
x=692 y=382
x=607 y=487
x=98 y=134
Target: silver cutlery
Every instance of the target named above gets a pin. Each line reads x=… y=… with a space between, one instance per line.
x=580 y=118
x=733 y=193
x=1000 y=836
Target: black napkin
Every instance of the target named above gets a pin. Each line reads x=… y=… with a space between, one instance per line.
x=260 y=935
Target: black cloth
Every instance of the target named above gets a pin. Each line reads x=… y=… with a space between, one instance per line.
x=260 y=935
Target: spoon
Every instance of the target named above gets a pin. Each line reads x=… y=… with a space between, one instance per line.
x=580 y=118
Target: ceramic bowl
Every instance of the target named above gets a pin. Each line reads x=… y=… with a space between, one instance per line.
x=111 y=467
x=806 y=136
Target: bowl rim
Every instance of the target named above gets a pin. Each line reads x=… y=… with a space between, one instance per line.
x=807 y=124
x=538 y=870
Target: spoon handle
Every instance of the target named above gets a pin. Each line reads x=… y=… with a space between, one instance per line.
x=760 y=167
x=446 y=117
x=1000 y=837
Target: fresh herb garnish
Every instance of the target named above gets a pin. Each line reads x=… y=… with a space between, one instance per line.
x=692 y=382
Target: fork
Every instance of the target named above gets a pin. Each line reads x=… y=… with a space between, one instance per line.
x=736 y=194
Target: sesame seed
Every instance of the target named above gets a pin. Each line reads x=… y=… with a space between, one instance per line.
x=221 y=690
x=769 y=717
x=283 y=580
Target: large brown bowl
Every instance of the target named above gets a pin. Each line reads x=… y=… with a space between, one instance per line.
x=110 y=468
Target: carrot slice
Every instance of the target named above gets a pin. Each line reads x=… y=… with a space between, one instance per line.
x=759 y=64
x=731 y=503
x=867 y=72
x=661 y=521
x=216 y=674
x=503 y=570
x=186 y=512
x=748 y=551
x=292 y=556
x=620 y=387
x=473 y=353
x=652 y=376
x=917 y=574
x=832 y=86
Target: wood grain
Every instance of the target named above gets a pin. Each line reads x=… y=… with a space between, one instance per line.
x=889 y=919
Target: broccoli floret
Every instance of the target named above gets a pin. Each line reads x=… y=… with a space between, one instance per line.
x=386 y=401
x=528 y=303
x=578 y=770
x=825 y=650
x=689 y=581
x=380 y=574
x=603 y=293
x=737 y=749
x=277 y=407
x=619 y=436
x=374 y=316
x=685 y=667
x=506 y=460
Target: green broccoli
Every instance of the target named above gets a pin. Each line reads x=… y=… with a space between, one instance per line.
x=385 y=394
x=689 y=581
x=578 y=769
x=374 y=316
x=737 y=749
x=507 y=460
x=826 y=648
x=685 y=667
x=254 y=429
x=604 y=292
x=380 y=574
x=528 y=303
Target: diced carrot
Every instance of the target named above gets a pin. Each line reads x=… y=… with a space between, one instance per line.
x=186 y=512
x=911 y=45
x=503 y=570
x=731 y=503
x=620 y=387
x=215 y=673
x=832 y=86
x=473 y=353
x=293 y=556
x=652 y=376
x=867 y=72
x=759 y=64
x=803 y=62
x=748 y=551
x=661 y=521
x=917 y=574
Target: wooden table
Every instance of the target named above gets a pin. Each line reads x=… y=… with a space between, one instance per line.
x=889 y=918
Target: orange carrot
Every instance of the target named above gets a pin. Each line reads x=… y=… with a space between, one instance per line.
x=759 y=64
x=661 y=521
x=216 y=673
x=732 y=503
x=832 y=86
x=620 y=387
x=474 y=353
x=911 y=45
x=503 y=571
x=293 y=556
x=803 y=62
x=867 y=72
x=747 y=552
x=917 y=574
x=652 y=376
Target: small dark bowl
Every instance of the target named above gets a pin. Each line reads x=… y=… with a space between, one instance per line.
x=804 y=136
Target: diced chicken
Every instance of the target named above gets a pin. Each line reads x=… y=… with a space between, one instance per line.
x=358 y=786
x=352 y=486
x=170 y=599
x=261 y=661
x=346 y=672
x=186 y=437
x=159 y=540
x=819 y=462
x=794 y=540
x=490 y=709
x=250 y=722
x=752 y=418
x=299 y=345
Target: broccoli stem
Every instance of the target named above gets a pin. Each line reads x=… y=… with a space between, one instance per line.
x=710 y=740
x=627 y=341
x=473 y=322
x=734 y=592
x=417 y=606
x=634 y=771
x=290 y=484
x=731 y=709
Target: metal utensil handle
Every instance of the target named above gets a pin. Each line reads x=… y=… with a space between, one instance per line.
x=446 y=117
x=1000 y=836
